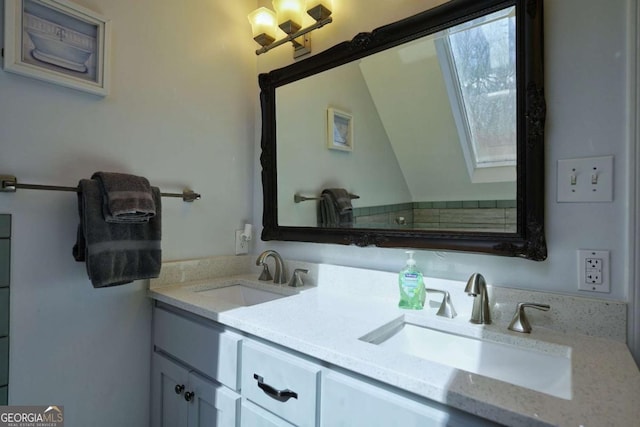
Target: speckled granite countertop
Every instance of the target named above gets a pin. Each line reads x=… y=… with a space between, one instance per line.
x=326 y=322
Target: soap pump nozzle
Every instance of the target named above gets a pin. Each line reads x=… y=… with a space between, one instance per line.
x=410 y=260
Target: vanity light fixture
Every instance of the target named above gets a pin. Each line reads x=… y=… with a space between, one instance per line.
x=288 y=16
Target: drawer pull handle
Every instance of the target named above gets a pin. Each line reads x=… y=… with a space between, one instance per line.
x=179 y=388
x=188 y=396
x=280 y=395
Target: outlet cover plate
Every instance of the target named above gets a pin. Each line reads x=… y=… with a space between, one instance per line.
x=593 y=271
x=242 y=246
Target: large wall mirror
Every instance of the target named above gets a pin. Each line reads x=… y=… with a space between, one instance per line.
x=425 y=133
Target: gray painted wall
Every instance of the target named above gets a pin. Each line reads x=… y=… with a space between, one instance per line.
x=181 y=113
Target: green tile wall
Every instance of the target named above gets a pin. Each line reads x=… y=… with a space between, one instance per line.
x=461 y=215
x=5 y=261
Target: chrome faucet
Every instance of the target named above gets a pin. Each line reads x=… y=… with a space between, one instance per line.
x=280 y=275
x=477 y=288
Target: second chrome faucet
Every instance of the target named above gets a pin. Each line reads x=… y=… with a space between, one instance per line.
x=280 y=274
x=477 y=288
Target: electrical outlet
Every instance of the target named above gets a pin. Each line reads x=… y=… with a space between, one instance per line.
x=594 y=277
x=593 y=270
x=242 y=245
x=594 y=263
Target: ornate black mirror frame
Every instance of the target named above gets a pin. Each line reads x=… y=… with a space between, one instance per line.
x=529 y=239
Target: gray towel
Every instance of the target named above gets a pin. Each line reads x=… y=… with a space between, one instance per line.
x=116 y=254
x=334 y=209
x=126 y=198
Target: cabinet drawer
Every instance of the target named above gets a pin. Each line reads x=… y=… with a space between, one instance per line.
x=4 y=312
x=267 y=372
x=348 y=402
x=254 y=416
x=208 y=349
x=5 y=261
x=4 y=361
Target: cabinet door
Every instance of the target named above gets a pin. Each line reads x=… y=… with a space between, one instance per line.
x=169 y=381
x=349 y=402
x=254 y=416
x=200 y=345
x=212 y=404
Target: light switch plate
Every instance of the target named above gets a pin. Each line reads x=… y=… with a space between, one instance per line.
x=585 y=180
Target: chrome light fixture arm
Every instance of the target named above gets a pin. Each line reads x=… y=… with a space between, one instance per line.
x=292 y=37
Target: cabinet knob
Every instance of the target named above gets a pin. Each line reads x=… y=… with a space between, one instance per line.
x=188 y=396
x=179 y=388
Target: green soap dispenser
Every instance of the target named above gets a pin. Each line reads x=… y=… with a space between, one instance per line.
x=412 y=293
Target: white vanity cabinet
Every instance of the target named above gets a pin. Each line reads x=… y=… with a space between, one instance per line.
x=194 y=372
x=206 y=375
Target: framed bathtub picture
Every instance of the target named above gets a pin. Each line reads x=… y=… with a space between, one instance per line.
x=59 y=42
x=339 y=130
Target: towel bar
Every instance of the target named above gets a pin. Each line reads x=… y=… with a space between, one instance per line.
x=10 y=185
x=298 y=198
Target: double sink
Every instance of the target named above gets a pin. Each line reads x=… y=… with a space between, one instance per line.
x=503 y=356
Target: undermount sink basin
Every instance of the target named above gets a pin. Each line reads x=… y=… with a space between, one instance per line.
x=547 y=370
x=240 y=295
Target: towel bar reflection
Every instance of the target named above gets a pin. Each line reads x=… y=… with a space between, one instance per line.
x=298 y=198
x=10 y=185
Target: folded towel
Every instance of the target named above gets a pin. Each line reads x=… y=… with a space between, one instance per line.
x=116 y=254
x=334 y=209
x=126 y=198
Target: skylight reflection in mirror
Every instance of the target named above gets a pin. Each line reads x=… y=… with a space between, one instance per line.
x=482 y=56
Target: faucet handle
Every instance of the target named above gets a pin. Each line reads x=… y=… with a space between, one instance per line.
x=266 y=274
x=446 y=307
x=296 y=278
x=520 y=323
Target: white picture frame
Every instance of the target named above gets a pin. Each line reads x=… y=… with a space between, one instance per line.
x=59 y=42
x=339 y=130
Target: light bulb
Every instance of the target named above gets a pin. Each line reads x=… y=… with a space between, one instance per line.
x=263 y=25
x=289 y=14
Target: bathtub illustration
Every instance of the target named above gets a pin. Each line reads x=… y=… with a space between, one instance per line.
x=59 y=46
x=58 y=42
x=58 y=52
